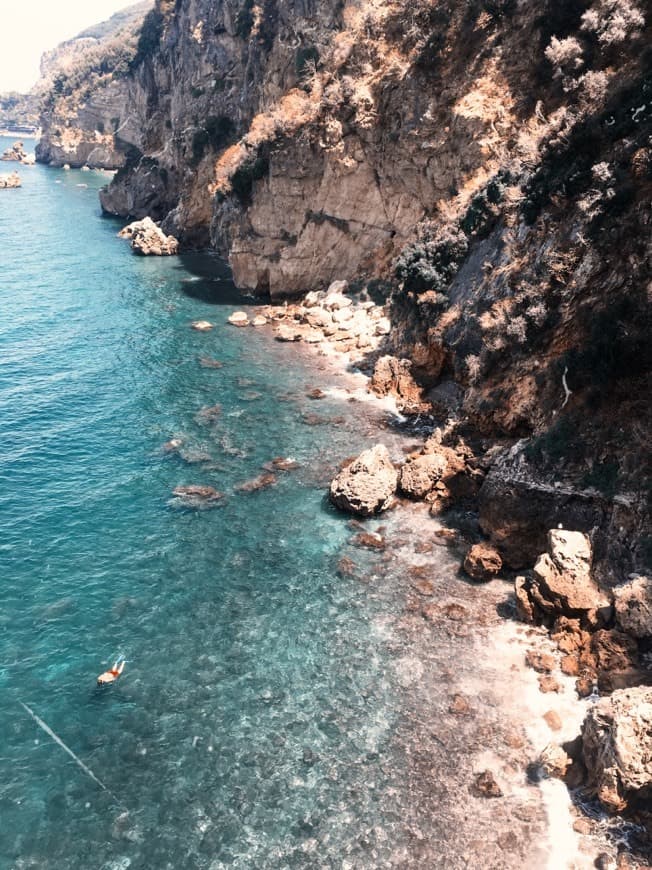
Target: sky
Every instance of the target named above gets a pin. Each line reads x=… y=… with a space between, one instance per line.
x=30 y=27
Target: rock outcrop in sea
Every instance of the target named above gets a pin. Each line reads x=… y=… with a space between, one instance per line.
x=148 y=239
x=15 y=153
x=11 y=180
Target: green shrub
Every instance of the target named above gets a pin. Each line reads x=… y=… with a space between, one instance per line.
x=559 y=442
x=431 y=264
x=603 y=477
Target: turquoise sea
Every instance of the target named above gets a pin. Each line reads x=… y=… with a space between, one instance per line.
x=267 y=710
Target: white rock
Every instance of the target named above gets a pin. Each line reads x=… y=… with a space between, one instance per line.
x=238 y=318
x=201 y=325
x=338 y=287
x=383 y=327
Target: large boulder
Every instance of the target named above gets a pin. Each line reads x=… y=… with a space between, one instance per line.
x=420 y=474
x=617 y=747
x=633 y=603
x=393 y=377
x=147 y=238
x=367 y=485
x=562 y=584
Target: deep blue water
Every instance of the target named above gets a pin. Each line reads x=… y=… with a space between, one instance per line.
x=251 y=719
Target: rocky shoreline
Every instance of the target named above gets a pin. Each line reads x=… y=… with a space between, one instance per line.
x=592 y=643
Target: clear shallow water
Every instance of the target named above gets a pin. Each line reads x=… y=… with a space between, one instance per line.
x=246 y=651
x=273 y=714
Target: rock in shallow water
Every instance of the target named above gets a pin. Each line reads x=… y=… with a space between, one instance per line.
x=367 y=485
x=483 y=562
x=238 y=318
x=149 y=239
x=197 y=493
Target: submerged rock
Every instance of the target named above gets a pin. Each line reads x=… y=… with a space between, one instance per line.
x=197 y=493
x=201 y=325
x=483 y=562
x=263 y=481
x=485 y=785
x=367 y=485
x=149 y=239
x=617 y=747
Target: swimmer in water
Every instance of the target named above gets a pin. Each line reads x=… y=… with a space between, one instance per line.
x=112 y=675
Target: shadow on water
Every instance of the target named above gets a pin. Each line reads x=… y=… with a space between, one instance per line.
x=211 y=280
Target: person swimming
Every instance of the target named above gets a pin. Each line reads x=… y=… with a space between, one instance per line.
x=113 y=673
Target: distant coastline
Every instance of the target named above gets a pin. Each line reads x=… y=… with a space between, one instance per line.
x=21 y=134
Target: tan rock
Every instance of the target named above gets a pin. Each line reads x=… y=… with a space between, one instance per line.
x=10 y=181
x=238 y=318
x=393 y=377
x=367 y=485
x=483 y=562
x=542 y=663
x=553 y=720
x=562 y=582
x=554 y=761
x=201 y=325
x=419 y=475
x=147 y=238
x=617 y=746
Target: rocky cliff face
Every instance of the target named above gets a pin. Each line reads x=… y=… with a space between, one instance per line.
x=83 y=93
x=485 y=167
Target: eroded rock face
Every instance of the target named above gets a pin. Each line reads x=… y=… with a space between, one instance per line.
x=633 y=604
x=149 y=239
x=562 y=584
x=393 y=377
x=483 y=562
x=617 y=747
x=367 y=485
x=517 y=510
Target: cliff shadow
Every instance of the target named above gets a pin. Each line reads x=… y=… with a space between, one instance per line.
x=210 y=280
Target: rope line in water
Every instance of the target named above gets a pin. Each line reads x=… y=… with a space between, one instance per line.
x=60 y=742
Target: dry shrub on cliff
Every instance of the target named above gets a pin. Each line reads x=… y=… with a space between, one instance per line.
x=613 y=21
